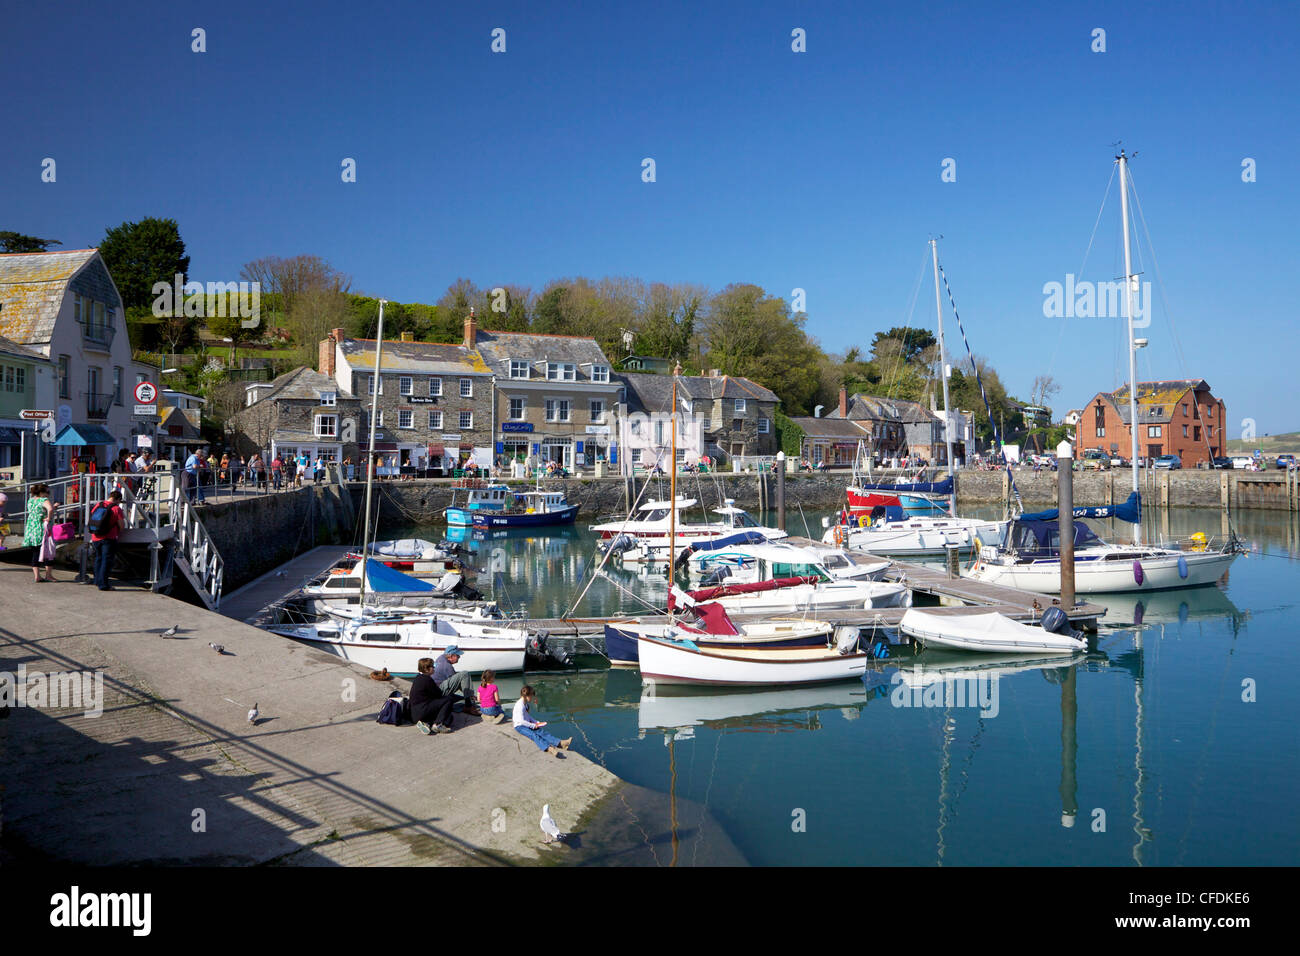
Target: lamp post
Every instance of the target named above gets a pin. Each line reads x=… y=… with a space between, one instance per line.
x=1065 y=520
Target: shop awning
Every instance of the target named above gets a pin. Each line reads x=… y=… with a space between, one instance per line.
x=436 y=451
x=84 y=435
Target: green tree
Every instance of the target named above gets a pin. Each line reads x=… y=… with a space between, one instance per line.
x=17 y=242
x=138 y=254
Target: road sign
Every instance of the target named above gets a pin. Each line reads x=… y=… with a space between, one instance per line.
x=35 y=414
x=146 y=411
x=146 y=393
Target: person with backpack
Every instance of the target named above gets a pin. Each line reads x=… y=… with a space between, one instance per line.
x=105 y=526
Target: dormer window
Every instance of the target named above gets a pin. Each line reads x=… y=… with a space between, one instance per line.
x=561 y=371
x=600 y=373
x=520 y=369
x=329 y=399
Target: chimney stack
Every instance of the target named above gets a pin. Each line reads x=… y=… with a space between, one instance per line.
x=327 y=352
x=844 y=402
x=471 y=330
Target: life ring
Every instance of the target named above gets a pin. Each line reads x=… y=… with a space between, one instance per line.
x=839 y=535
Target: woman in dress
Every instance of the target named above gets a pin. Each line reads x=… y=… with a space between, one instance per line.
x=36 y=533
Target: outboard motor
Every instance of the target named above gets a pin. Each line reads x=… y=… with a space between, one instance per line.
x=683 y=556
x=715 y=577
x=621 y=543
x=1055 y=621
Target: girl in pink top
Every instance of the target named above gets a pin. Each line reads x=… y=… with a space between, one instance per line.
x=489 y=697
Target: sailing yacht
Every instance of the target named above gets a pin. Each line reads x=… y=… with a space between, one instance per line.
x=889 y=528
x=1028 y=557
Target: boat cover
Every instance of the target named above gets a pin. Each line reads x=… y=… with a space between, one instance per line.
x=380 y=578
x=1038 y=538
x=1130 y=511
x=729 y=541
x=727 y=590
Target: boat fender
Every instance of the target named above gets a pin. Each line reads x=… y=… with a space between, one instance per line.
x=1138 y=575
x=1182 y=567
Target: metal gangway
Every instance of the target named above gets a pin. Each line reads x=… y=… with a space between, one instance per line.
x=158 y=517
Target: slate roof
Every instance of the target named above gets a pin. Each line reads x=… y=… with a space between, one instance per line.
x=10 y=347
x=421 y=358
x=1164 y=395
x=302 y=383
x=871 y=408
x=32 y=285
x=832 y=428
x=501 y=348
x=653 y=393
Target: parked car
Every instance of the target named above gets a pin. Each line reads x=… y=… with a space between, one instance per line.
x=1286 y=461
x=1167 y=462
x=1243 y=462
x=1118 y=461
x=1221 y=462
x=1094 y=459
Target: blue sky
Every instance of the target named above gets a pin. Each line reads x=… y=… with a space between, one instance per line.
x=818 y=170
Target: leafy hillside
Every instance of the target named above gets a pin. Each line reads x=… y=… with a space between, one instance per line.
x=1271 y=445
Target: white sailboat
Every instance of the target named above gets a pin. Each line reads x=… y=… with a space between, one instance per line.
x=396 y=638
x=1028 y=556
x=889 y=529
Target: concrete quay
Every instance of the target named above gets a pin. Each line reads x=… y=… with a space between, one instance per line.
x=173 y=773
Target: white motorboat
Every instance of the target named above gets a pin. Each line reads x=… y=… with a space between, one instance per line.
x=742 y=564
x=397 y=642
x=647 y=538
x=989 y=633
x=889 y=531
x=675 y=662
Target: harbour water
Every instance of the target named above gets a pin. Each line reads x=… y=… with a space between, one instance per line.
x=1173 y=742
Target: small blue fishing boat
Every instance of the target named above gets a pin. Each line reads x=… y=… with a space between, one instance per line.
x=530 y=510
x=477 y=498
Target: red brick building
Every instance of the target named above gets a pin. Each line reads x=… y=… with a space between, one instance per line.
x=1177 y=417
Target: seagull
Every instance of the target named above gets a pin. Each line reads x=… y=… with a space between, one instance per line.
x=252 y=715
x=548 y=826
x=171 y=631
x=219 y=648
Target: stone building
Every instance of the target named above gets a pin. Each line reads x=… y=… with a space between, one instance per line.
x=898 y=428
x=434 y=400
x=301 y=412
x=723 y=417
x=555 y=396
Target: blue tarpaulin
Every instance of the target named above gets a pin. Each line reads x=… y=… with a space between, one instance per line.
x=380 y=577
x=730 y=541
x=923 y=487
x=1130 y=511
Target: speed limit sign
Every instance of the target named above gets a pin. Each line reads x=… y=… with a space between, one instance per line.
x=146 y=393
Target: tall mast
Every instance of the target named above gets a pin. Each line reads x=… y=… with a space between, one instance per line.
x=672 y=486
x=1132 y=349
x=370 y=452
x=943 y=374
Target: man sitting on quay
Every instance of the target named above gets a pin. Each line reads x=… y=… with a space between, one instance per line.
x=452 y=681
x=105 y=527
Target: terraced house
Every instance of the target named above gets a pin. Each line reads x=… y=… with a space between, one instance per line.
x=555 y=396
x=300 y=413
x=66 y=307
x=1176 y=417
x=26 y=382
x=434 y=399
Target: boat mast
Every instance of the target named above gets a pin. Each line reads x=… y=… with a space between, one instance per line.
x=943 y=374
x=370 y=452
x=672 y=488
x=1132 y=349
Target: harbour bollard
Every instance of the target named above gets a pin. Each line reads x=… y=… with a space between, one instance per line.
x=1065 y=519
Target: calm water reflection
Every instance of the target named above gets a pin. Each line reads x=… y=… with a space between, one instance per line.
x=1172 y=743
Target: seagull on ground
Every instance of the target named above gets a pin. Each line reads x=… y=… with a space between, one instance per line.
x=219 y=648
x=252 y=715
x=171 y=631
x=548 y=826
